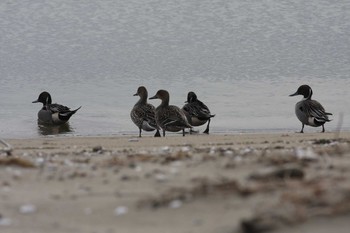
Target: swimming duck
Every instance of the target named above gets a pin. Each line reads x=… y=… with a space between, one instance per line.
x=170 y=117
x=143 y=113
x=55 y=114
x=196 y=111
x=310 y=112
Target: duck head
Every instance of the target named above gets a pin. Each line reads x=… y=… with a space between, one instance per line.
x=44 y=98
x=141 y=91
x=191 y=97
x=304 y=90
x=162 y=95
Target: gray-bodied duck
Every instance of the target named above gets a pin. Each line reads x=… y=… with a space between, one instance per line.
x=169 y=117
x=143 y=113
x=196 y=111
x=50 y=113
x=310 y=112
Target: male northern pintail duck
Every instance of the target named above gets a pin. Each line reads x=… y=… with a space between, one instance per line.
x=310 y=112
x=143 y=113
x=170 y=117
x=196 y=111
x=50 y=113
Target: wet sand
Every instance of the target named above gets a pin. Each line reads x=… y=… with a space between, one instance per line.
x=199 y=183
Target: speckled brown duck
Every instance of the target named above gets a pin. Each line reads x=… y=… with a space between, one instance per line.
x=143 y=113
x=169 y=117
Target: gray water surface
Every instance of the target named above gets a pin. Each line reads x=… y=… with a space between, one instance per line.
x=242 y=58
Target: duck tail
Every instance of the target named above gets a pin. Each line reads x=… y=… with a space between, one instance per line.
x=66 y=115
x=74 y=111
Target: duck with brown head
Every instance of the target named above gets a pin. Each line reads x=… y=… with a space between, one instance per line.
x=143 y=113
x=169 y=117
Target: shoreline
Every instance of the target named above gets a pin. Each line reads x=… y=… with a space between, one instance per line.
x=197 y=183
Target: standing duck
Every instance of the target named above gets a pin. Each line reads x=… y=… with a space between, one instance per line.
x=170 y=117
x=196 y=111
x=50 y=113
x=310 y=112
x=143 y=113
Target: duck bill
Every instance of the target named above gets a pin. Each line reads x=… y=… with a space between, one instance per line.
x=296 y=93
x=35 y=101
x=135 y=94
x=153 y=97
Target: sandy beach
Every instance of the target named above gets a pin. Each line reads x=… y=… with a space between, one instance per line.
x=199 y=183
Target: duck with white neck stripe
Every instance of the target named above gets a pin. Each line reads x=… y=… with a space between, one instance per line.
x=54 y=114
x=310 y=112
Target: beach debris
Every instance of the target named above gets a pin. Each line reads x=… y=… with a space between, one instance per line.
x=121 y=210
x=160 y=177
x=97 y=149
x=301 y=201
x=307 y=154
x=7 y=149
x=322 y=141
x=175 y=204
x=257 y=225
x=133 y=140
x=202 y=188
x=138 y=168
x=228 y=153
x=5 y=187
x=15 y=161
x=165 y=149
x=273 y=173
x=5 y=221
x=27 y=209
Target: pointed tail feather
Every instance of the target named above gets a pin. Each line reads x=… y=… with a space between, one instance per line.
x=65 y=116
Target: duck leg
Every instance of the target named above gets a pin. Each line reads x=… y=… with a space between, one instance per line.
x=140 y=132
x=157 y=134
x=183 y=132
x=322 y=129
x=163 y=132
x=207 y=129
x=302 y=129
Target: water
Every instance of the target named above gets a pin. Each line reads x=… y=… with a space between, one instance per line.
x=242 y=58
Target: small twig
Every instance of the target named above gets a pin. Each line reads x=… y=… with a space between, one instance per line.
x=7 y=149
x=339 y=125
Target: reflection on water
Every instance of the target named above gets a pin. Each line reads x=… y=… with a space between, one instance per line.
x=44 y=129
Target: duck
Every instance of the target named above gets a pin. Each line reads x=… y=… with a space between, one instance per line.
x=196 y=111
x=169 y=117
x=53 y=114
x=143 y=113
x=308 y=111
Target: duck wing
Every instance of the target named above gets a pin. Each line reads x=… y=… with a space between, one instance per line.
x=198 y=109
x=54 y=108
x=144 y=112
x=315 y=109
x=174 y=117
x=149 y=114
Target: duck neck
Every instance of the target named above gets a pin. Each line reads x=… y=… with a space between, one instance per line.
x=142 y=100
x=165 y=102
x=308 y=97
